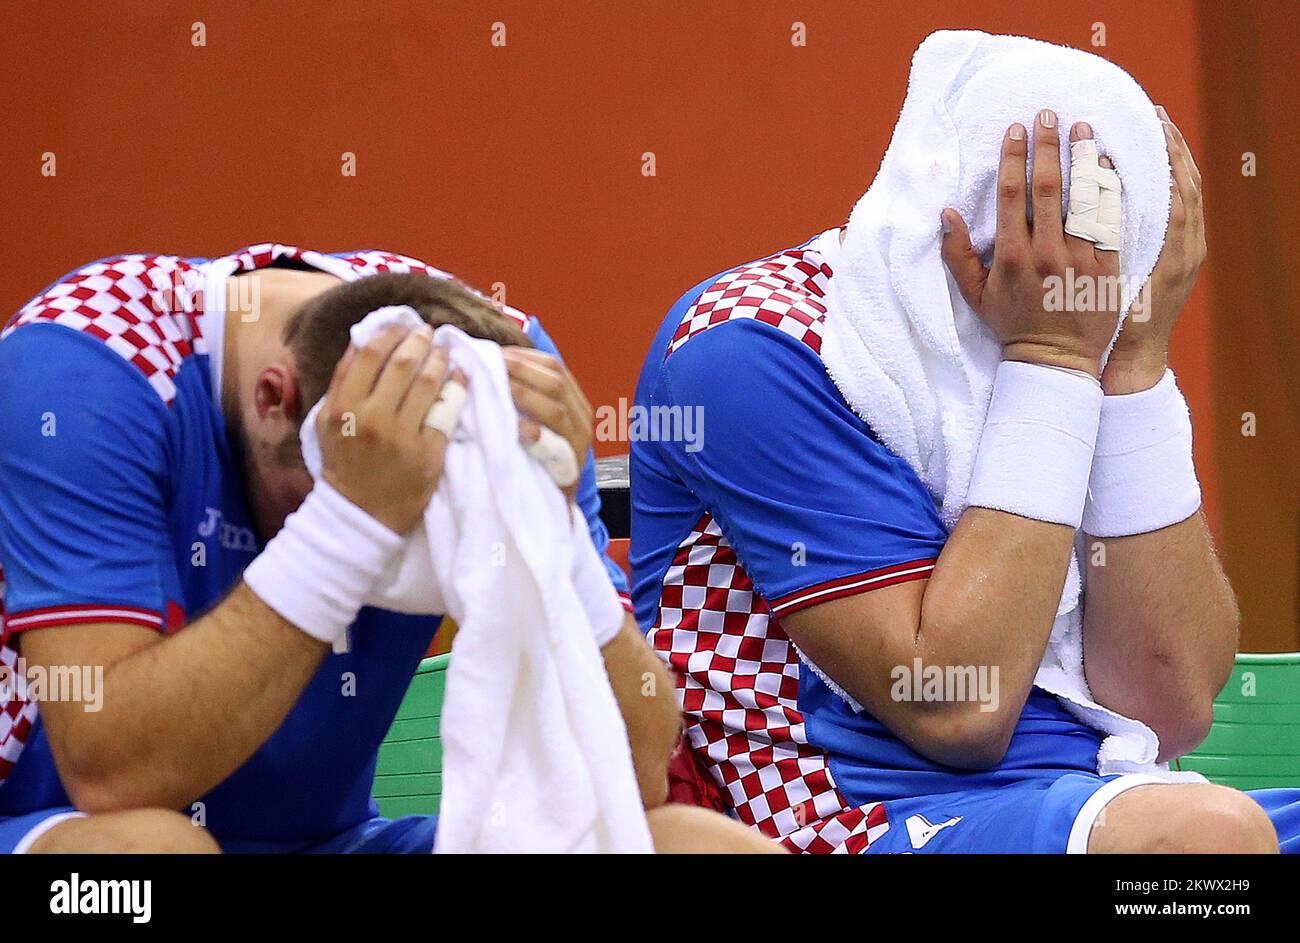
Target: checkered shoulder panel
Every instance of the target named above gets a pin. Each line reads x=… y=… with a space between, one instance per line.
x=143 y=307
x=786 y=290
x=374 y=262
x=737 y=677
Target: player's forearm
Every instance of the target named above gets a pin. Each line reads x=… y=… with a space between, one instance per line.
x=990 y=604
x=986 y=610
x=1160 y=629
x=182 y=714
x=647 y=700
x=1160 y=619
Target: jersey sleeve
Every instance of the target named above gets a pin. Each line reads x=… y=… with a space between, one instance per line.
x=83 y=479
x=588 y=495
x=815 y=506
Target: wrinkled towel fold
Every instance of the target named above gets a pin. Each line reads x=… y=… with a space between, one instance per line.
x=535 y=752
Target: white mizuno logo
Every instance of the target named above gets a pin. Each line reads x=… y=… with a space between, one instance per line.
x=920 y=829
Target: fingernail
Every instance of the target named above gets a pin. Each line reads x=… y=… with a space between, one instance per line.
x=1084 y=129
x=1047 y=118
x=1016 y=132
x=1160 y=111
x=945 y=222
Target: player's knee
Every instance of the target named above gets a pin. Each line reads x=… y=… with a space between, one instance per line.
x=684 y=829
x=159 y=831
x=1216 y=820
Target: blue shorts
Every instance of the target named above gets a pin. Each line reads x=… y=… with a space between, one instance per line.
x=411 y=834
x=1036 y=816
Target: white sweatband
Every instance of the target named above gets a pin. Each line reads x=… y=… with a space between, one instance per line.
x=1143 y=477
x=1036 y=450
x=317 y=571
x=591 y=582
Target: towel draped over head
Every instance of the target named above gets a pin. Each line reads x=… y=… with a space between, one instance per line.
x=906 y=351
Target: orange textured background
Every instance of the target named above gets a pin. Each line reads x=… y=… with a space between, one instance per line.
x=519 y=165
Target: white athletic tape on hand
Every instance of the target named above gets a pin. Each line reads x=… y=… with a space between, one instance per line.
x=556 y=456
x=553 y=451
x=445 y=412
x=1094 y=212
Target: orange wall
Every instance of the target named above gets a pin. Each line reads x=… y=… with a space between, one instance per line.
x=1251 y=100
x=520 y=164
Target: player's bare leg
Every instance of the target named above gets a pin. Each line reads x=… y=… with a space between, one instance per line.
x=1183 y=818
x=131 y=831
x=684 y=829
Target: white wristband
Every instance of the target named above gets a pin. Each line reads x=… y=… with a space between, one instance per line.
x=591 y=581
x=317 y=571
x=1036 y=449
x=1143 y=477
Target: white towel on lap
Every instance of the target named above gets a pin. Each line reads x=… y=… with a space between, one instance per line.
x=535 y=752
x=908 y=354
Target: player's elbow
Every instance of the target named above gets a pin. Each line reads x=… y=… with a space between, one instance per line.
x=94 y=793
x=962 y=735
x=1182 y=730
x=95 y=784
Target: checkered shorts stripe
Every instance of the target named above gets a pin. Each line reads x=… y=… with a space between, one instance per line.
x=17 y=710
x=737 y=677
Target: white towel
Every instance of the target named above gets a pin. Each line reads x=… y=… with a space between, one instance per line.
x=535 y=752
x=908 y=354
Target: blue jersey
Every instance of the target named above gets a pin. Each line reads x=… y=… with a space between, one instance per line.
x=781 y=498
x=120 y=501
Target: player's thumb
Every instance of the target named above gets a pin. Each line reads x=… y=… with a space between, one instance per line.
x=961 y=258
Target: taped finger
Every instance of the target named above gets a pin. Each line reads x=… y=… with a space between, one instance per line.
x=1095 y=212
x=445 y=412
x=555 y=455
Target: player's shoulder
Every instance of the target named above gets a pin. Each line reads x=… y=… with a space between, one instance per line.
x=139 y=309
x=781 y=295
x=375 y=261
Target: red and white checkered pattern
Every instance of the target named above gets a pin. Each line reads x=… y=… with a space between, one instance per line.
x=783 y=290
x=373 y=262
x=17 y=711
x=147 y=307
x=141 y=306
x=738 y=680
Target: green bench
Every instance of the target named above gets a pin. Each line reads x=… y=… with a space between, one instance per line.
x=1254 y=742
x=408 y=775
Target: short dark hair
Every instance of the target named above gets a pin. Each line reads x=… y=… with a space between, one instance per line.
x=318 y=333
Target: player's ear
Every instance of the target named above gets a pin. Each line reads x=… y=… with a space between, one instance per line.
x=276 y=394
